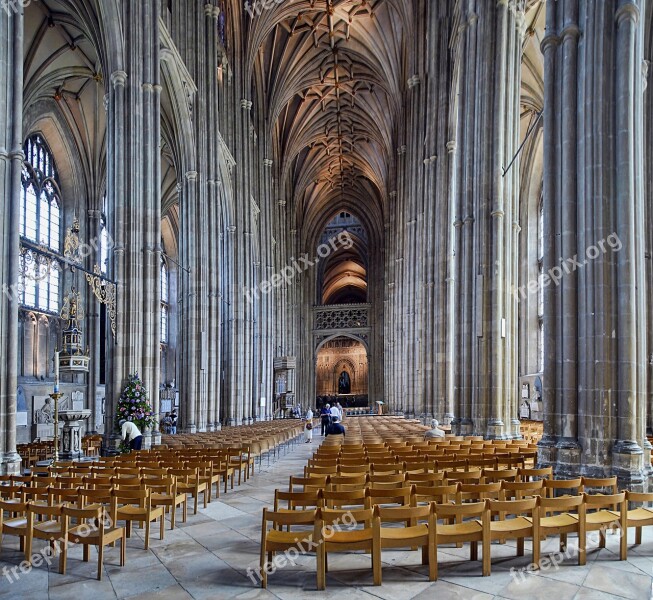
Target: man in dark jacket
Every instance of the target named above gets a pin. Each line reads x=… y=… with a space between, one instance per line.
x=325 y=417
x=335 y=428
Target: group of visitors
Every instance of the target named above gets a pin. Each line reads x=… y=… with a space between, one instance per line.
x=331 y=420
x=169 y=423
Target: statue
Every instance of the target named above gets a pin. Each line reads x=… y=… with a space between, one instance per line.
x=45 y=414
x=344 y=383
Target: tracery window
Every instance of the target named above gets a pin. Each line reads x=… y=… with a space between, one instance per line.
x=40 y=222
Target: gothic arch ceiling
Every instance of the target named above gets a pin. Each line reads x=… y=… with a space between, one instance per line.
x=532 y=102
x=330 y=77
x=62 y=68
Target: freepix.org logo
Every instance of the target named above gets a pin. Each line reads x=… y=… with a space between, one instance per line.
x=298 y=266
x=14 y=6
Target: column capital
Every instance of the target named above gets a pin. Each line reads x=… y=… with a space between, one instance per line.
x=191 y=175
x=246 y=104
x=571 y=32
x=550 y=42
x=118 y=78
x=451 y=146
x=629 y=11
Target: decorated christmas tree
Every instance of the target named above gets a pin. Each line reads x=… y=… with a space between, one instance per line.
x=134 y=405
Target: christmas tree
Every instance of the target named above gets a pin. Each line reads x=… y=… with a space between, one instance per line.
x=134 y=405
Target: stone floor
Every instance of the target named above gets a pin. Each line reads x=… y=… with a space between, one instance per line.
x=207 y=558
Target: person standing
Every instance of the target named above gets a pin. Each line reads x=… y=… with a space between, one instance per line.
x=173 y=424
x=132 y=434
x=325 y=416
x=308 y=427
x=335 y=413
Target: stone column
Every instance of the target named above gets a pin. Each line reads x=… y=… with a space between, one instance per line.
x=595 y=361
x=488 y=48
x=94 y=229
x=11 y=163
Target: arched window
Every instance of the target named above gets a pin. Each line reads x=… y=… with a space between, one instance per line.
x=40 y=222
x=164 y=302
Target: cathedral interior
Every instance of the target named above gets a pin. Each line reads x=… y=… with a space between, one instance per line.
x=416 y=209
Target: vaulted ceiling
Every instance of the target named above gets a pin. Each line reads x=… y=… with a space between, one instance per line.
x=330 y=74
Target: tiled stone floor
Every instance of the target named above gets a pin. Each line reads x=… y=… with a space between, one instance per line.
x=207 y=558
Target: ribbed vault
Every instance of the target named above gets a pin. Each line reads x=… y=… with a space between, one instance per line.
x=330 y=74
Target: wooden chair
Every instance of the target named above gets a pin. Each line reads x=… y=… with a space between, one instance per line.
x=640 y=516
x=387 y=480
x=440 y=494
x=519 y=490
x=499 y=475
x=343 y=483
x=96 y=528
x=400 y=496
x=51 y=528
x=308 y=484
x=425 y=479
x=333 y=499
x=165 y=493
x=517 y=528
x=464 y=523
x=563 y=521
x=533 y=474
x=188 y=482
x=414 y=534
x=332 y=537
x=297 y=500
x=136 y=505
x=275 y=540
x=16 y=524
x=600 y=517
x=554 y=487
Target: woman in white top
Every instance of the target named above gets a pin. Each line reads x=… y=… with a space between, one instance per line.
x=308 y=427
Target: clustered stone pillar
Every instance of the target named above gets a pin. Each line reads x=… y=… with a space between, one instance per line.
x=485 y=212
x=11 y=164
x=595 y=359
x=417 y=239
x=134 y=190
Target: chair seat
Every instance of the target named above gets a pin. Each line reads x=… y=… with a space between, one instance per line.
x=404 y=533
x=14 y=524
x=166 y=498
x=511 y=525
x=601 y=517
x=48 y=527
x=82 y=535
x=274 y=536
x=640 y=514
x=353 y=536
x=466 y=528
x=562 y=520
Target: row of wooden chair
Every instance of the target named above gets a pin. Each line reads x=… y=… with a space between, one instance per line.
x=435 y=524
